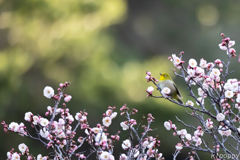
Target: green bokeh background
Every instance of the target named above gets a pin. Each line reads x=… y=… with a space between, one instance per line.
x=104 y=49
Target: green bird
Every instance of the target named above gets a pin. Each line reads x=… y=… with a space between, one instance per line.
x=166 y=81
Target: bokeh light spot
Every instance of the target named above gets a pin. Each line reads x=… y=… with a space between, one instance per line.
x=208 y=15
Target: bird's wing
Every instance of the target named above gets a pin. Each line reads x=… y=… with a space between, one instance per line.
x=178 y=93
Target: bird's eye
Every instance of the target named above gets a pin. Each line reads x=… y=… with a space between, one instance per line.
x=165 y=75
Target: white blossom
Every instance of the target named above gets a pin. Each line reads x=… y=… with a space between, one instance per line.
x=107 y=121
x=220 y=117
x=228 y=94
x=48 y=92
x=22 y=148
x=124 y=126
x=43 y=122
x=126 y=144
x=192 y=63
x=167 y=125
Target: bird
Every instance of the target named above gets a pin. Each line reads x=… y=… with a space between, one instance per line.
x=166 y=81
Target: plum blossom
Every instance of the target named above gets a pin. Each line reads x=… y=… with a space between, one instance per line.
x=14 y=126
x=123 y=157
x=28 y=116
x=190 y=103
x=40 y=157
x=43 y=122
x=126 y=144
x=179 y=146
x=22 y=148
x=124 y=126
x=48 y=92
x=224 y=131
x=191 y=72
x=67 y=98
x=167 y=125
x=100 y=137
x=220 y=117
x=203 y=63
x=228 y=94
x=104 y=155
x=188 y=137
x=192 y=63
x=165 y=92
x=15 y=156
x=209 y=124
x=182 y=133
x=150 y=89
x=107 y=121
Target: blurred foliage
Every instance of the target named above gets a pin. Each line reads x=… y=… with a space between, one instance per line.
x=104 y=49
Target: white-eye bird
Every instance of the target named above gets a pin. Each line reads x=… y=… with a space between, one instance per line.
x=166 y=81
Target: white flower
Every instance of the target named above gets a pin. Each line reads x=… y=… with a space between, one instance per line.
x=104 y=155
x=145 y=144
x=108 y=112
x=15 y=156
x=150 y=89
x=27 y=116
x=111 y=157
x=222 y=47
x=182 y=133
x=107 y=121
x=167 y=125
x=70 y=118
x=135 y=152
x=201 y=100
x=100 y=137
x=199 y=70
x=179 y=146
x=235 y=87
x=228 y=94
x=96 y=130
x=48 y=92
x=203 y=63
x=151 y=144
x=124 y=126
x=220 y=117
x=14 y=126
x=191 y=72
x=188 y=137
x=43 y=122
x=126 y=144
x=231 y=43
x=113 y=115
x=22 y=147
x=35 y=120
x=209 y=124
x=192 y=63
x=44 y=133
x=190 y=103
x=123 y=157
x=176 y=61
x=228 y=86
x=165 y=92
x=198 y=142
x=200 y=92
x=224 y=131
x=39 y=157
x=215 y=72
x=9 y=155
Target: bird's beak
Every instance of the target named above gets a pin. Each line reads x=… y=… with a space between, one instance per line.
x=160 y=74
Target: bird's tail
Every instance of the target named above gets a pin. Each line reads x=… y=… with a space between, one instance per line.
x=179 y=101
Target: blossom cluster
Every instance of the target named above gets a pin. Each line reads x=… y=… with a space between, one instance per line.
x=212 y=84
x=56 y=131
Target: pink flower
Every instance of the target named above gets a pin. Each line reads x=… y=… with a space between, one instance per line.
x=179 y=146
x=67 y=98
